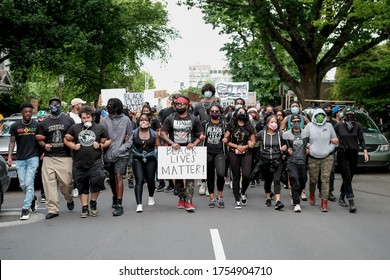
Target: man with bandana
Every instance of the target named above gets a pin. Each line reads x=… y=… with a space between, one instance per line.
x=57 y=161
x=322 y=141
x=87 y=141
x=350 y=134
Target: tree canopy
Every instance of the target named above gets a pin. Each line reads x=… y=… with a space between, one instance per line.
x=301 y=39
x=95 y=43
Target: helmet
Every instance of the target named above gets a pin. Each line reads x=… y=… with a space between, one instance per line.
x=42 y=114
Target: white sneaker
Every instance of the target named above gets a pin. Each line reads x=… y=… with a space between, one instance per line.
x=151 y=201
x=202 y=188
x=139 y=208
x=297 y=208
x=75 y=193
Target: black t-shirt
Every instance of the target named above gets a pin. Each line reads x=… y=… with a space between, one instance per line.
x=214 y=134
x=240 y=135
x=87 y=155
x=27 y=145
x=54 y=129
x=350 y=139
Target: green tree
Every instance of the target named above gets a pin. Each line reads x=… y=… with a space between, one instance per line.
x=366 y=79
x=316 y=35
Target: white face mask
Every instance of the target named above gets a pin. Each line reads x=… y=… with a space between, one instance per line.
x=144 y=124
x=87 y=124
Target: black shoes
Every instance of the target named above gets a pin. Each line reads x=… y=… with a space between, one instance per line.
x=118 y=211
x=34 y=204
x=341 y=201
x=352 y=208
x=51 y=215
x=331 y=197
x=70 y=205
x=160 y=187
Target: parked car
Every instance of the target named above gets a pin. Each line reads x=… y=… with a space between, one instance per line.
x=5 y=126
x=376 y=143
x=4 y=179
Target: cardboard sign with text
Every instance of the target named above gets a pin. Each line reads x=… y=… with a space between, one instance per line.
x=182 y=163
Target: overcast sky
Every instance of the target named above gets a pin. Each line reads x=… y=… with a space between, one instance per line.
x=199 y=44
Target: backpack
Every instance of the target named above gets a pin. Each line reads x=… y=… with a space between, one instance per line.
x=144 y=154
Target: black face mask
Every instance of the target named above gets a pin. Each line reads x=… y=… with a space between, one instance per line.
x=110 y=110
x=55 y=110
x=242 y=117
x=350 y=117
x=181 y=110
x=328 y=112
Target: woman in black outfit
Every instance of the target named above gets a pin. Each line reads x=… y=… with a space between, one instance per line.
x=350 y=134
x=240 y=138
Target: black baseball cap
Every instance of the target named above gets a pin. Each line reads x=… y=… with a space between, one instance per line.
x=54 y=99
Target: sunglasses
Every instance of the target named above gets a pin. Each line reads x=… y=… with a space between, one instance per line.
x=180 y=104
x=214 y=111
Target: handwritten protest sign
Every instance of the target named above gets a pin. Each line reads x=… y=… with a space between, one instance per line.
x=133 y=100
x=182 y=163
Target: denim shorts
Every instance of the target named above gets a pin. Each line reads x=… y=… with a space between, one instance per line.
x=119 y=166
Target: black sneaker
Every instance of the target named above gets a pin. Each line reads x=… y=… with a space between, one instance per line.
x=94 y=211
x=169 y=188
x=278 y=205
x=84 y=212
x=70 y=205
x=43 y=198
x=25 y=214
x=34 y=204
x=268 y=202
x=118 y=211
x=160 y=187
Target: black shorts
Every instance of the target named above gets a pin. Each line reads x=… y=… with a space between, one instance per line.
x=90 y=179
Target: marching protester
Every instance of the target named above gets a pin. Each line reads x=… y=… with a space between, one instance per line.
x=240 y=138
x=182 y=128
x=23 y=134
x=57 y=161
x=271 y=148
x=145 y=143
x=116 y=156
x=214 y=130
x=87 y=140
x=350 y=134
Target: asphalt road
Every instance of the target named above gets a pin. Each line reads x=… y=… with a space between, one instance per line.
x=163 y=232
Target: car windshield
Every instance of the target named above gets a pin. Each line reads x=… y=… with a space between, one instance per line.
x=5 y=126
x=367 y=123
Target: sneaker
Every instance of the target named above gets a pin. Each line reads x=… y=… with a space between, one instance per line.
x=207 y=192
x=114 y=202
x=139 y=208
x=212 y=203
x=268 y=202
x=34 y=206
x=84 y=212
x=25 y=214
x=243 y=199
x=237 y=205
x=181 y=204
x=297 y=208
x=160 y=187
x=43 y=198
x=303 y=196
x=70 y=205
x=151 y=201
x=94 y=211
x=169 y=188
x=220 y=203
x=331 y=197
x=278 y=205
x=75 y=192
x=202 y=188
x=118 y=211
x=189 y=206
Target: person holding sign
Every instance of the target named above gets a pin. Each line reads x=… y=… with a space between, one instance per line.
x=145 y=141
x=240 y=138
x=182 y=128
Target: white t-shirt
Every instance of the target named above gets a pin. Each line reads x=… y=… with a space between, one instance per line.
x=75 y=117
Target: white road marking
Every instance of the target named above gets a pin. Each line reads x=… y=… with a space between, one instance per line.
x=219 y=252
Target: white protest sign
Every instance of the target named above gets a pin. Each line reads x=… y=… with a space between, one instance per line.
x=112 y=93
x=182 y=163
x=232 y=90
x=133 y=100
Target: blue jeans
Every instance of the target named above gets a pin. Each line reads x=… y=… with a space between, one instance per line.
x=26 y=173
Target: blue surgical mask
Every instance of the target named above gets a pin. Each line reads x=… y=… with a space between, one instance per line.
x=208 y=94
x=295 y=110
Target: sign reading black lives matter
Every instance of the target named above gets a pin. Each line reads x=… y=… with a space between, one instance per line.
x=182 y=163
